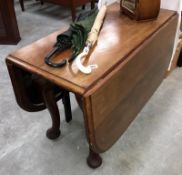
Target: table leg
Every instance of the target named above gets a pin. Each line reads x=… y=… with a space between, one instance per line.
x=22 y=4
x=73 y=12
x=41 y=2
x=92 y=4
x=94 y=160
x=83 y=7
x=67 y=106
x=50 y=101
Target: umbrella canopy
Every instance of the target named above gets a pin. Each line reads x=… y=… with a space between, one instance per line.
x=75 y=37
x=80 y=30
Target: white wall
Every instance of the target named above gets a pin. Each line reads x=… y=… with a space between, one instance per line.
x=171 y=4
x=177 y=6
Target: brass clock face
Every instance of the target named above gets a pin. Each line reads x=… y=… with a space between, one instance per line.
x=130 y=5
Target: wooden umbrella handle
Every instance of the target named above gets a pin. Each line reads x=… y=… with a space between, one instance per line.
x=93 y=35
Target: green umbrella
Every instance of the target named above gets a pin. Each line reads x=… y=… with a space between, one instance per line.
x=91 y=40
x=75 y=37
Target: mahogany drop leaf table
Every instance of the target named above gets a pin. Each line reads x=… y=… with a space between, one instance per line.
x=132 y=59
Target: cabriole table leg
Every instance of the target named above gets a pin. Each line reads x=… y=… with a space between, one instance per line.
x=94 y=160
x=50 y=101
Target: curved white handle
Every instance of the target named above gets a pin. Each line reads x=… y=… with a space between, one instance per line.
x=81 y=67
x=92 y=38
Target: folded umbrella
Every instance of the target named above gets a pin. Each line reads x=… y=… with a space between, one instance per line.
x=74 y=38
x=91 y=40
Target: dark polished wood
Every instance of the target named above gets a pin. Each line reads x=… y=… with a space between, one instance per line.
x=9 y=33
x=34 y=93
x=132 y=59
x=72 y=4
x=94 y=160
x=143 y=10
x=50 y=102
x=22 y=5
x=67 y=106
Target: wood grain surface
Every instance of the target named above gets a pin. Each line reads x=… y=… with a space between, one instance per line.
x=9 y=33
x=132 y=58
x=113 y=104
x=118 y=38
x=143 y=9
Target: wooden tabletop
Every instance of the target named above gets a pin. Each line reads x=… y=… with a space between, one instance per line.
x=119 y=37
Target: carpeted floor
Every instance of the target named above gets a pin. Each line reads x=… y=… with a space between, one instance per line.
x=152 y=145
